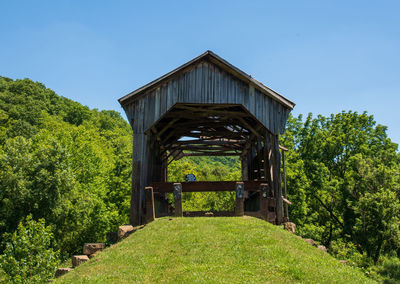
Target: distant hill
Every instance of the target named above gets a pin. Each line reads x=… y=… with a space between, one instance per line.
x=213 y=250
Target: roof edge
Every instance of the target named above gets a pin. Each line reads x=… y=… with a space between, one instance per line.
x=259 y=85
x=222 y=63
x=165 y=76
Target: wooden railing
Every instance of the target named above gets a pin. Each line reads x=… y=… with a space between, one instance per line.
x=267 y=199
x=204 y=186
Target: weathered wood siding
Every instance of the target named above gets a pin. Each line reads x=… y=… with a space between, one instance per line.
x=205 y=83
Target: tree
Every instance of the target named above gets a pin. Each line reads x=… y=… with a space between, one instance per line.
x=28 y=257
x=377 y=221
x=63 y=162
x=374 y=185
x=343 y=174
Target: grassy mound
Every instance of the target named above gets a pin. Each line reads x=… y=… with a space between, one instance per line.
x=216 y=250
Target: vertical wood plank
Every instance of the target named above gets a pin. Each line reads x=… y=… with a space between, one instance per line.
x=157 y=104
x=207 y=83
x=263 y=199
x=150 y=213
x=286 y=216
x=245 y=172
x=277 y=180
x=212 y=88
x=218 y=87
x=239 y=203
x=163 y=99
x=178 y=199
x=251 y=106
x=139 y=177
x=202 y=84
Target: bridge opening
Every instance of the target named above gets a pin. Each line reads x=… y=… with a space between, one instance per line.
x=207 y=107
x=212 y=142
x=203 y=169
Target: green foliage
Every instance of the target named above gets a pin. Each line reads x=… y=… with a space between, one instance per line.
x=63 y=162
x=206 y=169
x=28 y=256
x=377 y=221
x=347 y=251
x=343 y=180
x=389 y=270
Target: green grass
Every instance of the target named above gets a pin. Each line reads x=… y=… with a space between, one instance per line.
x=213 y=250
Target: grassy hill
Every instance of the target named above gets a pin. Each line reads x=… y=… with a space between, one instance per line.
x=217 y=250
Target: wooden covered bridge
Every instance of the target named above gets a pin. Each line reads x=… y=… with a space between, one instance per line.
x=207 y=107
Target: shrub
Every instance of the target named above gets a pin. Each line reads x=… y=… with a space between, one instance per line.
x=390 y=270
x=28 y=257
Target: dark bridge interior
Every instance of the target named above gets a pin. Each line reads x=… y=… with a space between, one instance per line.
x=215 y=130
x=206 y=130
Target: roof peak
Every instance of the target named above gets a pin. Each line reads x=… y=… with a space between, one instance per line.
x=217 y=60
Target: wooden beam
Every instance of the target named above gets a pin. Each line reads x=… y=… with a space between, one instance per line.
x=239 y=202
x=286 y=201
x=210 y=154
x=283 y=148
x=150 y=214
x=205 y=121
x=200 y=133
x=249 y=127
x=199 y=147
x=206 y=147
x=206 y=186
x=284 y=186
x=205 y=135
x=180 y=156
x=172 y=122
x=176 y=155
x=249 y=141
x=173 y=153
x=177 y=190
x=208 y=112
x=210 y=142
x=212 y=106
x=190 y=114
x=267 y=160
x=277 y=178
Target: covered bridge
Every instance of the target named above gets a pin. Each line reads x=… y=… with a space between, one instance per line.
x=207 y=107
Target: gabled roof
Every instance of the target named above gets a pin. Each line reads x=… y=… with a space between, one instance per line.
x=225 y=65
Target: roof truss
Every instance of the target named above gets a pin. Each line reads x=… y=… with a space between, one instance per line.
x=202 y=130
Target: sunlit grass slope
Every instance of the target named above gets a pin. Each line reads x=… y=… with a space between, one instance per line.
x=213 y=250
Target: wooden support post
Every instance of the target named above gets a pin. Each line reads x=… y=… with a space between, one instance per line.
x=259 y=158
x=150 y=213
x=245 y=168
x=263 y=199
x=239 y=206
x=135 y=193
x=267 y=159
x=249 y=167
x=164 y=175
x=277 y=179
x=267 y=204
x=286 y=217
x=178 y=199
x=140 y=177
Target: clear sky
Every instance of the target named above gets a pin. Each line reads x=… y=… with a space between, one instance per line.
x=326 y=56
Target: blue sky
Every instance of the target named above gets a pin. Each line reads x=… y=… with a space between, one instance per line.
x=326 y=56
